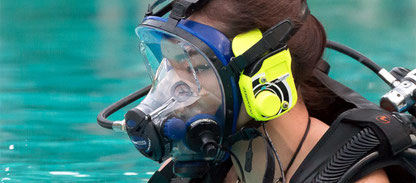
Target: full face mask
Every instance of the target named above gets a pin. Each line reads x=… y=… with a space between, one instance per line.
x=185 y=105
x=199 y=80
x=185 y=115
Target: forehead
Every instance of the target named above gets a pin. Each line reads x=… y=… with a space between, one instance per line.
x=202 y=35
x=181 y=52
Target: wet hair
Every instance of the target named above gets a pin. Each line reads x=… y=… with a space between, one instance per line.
x=307 y=45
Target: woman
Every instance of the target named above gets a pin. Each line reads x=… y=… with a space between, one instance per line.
x=233 y=17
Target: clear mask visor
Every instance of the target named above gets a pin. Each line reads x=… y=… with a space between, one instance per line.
x=184 y=81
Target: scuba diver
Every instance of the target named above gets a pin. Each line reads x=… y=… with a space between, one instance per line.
x=241 y=93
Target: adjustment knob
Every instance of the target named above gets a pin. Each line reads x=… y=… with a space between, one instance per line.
x=209 y=140
x=267 y=103
x=203 y=135
x=210 y=150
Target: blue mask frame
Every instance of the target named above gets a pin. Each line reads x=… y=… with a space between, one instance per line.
x=217 y=47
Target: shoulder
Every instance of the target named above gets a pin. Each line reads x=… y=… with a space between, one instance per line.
x=378 y=176
x=317 y=131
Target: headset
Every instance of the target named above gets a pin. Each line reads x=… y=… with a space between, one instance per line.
x=267 y=87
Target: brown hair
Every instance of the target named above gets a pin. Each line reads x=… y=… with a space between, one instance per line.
x=307 y=45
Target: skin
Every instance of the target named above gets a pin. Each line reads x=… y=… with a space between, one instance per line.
x=285 y=133
x=193 y=70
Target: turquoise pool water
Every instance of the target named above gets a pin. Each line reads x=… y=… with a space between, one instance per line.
x=61 y=62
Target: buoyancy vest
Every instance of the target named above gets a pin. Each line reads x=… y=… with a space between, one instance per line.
x=362 y=139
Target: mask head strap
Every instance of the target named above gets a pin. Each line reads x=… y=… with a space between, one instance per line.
x=152 y=6
x=304 y=13
x=275 y=39
x=180 y=9
x=160 y=12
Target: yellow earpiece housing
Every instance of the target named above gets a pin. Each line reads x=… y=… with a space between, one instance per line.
x=271 y=91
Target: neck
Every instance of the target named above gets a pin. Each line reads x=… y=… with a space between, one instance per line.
x=285 y=133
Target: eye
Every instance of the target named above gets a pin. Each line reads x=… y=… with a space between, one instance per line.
x=201 y=68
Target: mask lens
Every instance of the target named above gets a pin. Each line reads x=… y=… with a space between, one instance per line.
x=185 y=84
x=151 y=61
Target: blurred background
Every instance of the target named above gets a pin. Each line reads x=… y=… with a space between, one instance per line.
x=62 y=61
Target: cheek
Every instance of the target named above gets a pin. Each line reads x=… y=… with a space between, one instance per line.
x=184 y=75
x=243 y=117
x=210 y=83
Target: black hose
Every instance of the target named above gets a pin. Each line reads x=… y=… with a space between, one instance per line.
x=238 y=162
x=410 y=152
x=269 y=142
x=354 y=54
x=356 y=148
x=357 y=167
x=102 y=116
x=367 y=159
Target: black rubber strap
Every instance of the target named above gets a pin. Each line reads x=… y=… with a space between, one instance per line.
x=304 y=13
x=270 y=162
x=152 y=6
x=182 y=9
x=299 y=146
x=249 y=157
x=393 y=134
x=162 y=12
x=243 y=134
x=273 y=39
x=164 y=175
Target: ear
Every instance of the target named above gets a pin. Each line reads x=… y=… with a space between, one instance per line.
x=267 y=84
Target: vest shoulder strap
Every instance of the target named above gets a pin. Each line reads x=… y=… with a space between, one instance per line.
x=357 y=133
